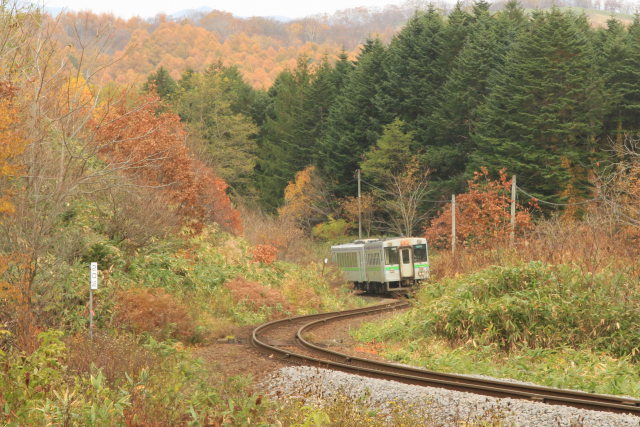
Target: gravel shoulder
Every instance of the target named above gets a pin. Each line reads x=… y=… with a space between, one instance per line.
x=436 y=406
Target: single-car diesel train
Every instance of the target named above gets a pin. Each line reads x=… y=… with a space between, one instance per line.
x=383 y=265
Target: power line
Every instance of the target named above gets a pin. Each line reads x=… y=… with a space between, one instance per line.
x=380 y=189
x=557 y=204
x=538 y=200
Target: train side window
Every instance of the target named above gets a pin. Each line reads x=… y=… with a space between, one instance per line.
x=419 y=253
x=391 y=256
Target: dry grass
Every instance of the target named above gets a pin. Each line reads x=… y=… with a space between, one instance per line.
x=218 y=327
x=281 y=233
x=592 y=244
x=301 y=297
x=255 y=295
x=115 y=355
x=154 y=311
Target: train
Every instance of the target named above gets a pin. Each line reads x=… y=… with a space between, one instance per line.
x=383 y=265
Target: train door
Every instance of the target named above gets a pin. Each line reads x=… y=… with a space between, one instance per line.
x=406 y=263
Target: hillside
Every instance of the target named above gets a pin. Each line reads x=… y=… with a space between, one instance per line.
x=260 y=47
x=510 y=139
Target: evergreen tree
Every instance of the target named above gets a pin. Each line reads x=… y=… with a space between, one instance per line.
x=301 y=101
x=164 y=84
x=222 y=137
x=326 y=83
x=355 y=122
x=613 y=50
x=454 y=120
x=341 y=72
x=390 y=156
x=286 y=145
x=629 y=80
x=414 y=70
x=544 y=108
x=453 y=36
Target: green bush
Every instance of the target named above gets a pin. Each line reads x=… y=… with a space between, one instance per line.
x=332 y=229
x=39 y=389
x=536 y=306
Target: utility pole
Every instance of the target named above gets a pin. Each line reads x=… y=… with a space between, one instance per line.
x=359 y=208
x=513 y=210
x=453 y=223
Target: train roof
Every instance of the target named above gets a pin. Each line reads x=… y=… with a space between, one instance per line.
x=356 y=244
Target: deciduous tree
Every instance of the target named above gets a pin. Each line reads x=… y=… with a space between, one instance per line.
x=306 y=200
x=12 y=144
x=482 y=214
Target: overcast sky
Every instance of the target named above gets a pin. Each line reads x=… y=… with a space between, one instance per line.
x=147 y=8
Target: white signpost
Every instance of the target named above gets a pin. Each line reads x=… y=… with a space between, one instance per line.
x=93 y=275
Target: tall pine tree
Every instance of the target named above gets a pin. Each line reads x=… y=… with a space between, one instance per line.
x=414 y=70
x=355 y=122
x=453 y=122
x=285 y=142
x=544 y=109
x=297 y=118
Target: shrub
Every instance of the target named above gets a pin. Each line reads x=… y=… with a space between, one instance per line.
x=332 y=229
x=280 y=232
x=536 y=306
x=265 y=254
x=104 y=253
x=155 y=311
x=255 y=295
x=115 y=356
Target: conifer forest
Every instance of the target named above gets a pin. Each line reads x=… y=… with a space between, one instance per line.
x=169 y=184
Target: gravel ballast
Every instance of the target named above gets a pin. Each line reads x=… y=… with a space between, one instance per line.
x=436 y=406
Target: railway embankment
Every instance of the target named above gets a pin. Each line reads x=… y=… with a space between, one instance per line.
x=552 y=325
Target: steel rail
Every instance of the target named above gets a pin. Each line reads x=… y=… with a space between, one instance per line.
x=288 y=322
x=468 y=383
x=496 y=388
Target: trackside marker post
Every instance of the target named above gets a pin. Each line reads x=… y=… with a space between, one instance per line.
x=512 y=236
x=93 y=275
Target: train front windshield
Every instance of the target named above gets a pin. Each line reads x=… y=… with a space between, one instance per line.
x=419 y=253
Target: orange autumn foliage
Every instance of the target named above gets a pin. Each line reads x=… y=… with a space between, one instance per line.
x=265 y=254
x=297 y=195
x=482 y=214
x=153 y=310
x=12 y=144
x=148 y=144
x=255 y=295
x=305 y=198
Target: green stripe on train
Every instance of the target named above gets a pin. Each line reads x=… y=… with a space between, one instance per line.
x=421 y=265
x=392 y=267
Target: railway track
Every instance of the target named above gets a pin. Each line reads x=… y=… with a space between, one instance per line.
x=287 y=339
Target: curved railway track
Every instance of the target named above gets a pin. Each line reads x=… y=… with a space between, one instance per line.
x=286 y=338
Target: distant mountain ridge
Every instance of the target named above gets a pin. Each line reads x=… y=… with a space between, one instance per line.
x=186 y=13
x=261 y=47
